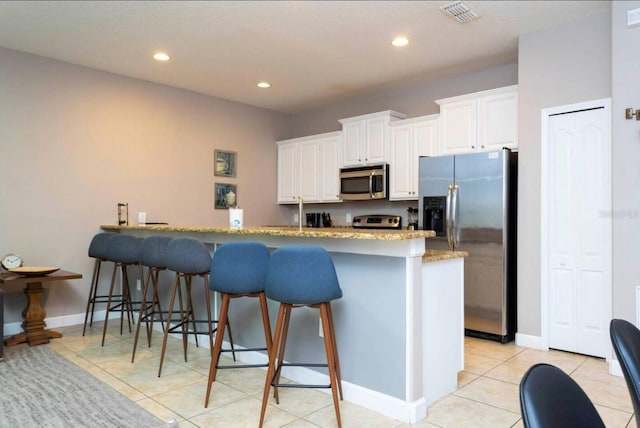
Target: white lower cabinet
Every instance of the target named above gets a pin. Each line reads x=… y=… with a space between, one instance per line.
x=410 y=139
x=308 y=168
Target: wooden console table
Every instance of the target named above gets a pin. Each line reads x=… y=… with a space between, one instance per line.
x=34 y=314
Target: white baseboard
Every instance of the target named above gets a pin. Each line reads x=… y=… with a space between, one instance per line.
x=408 y=412
x=614 y=368
x=529 y=341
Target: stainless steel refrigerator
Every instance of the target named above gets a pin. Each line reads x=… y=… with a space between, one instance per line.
x=470 y=200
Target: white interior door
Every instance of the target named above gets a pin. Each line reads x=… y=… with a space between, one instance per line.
x=579 y=231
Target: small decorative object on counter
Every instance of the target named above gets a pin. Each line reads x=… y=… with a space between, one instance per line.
x=123 y=214
x=326 y=220
x=412 y=218
x=235 y=218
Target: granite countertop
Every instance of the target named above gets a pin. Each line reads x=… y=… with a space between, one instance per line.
x=437 y=255
x=292 y=231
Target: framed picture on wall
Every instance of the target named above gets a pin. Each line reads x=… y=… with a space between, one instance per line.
x=226 y=195
x=224 y=163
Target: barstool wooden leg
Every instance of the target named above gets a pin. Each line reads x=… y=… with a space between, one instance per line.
x=334 y=345
x=283 y=345
x=156 y=301
x=176 y=285
x=217 y=347
x=328 y=344
x=126 y=299
x=272 y=362
x=207 y=297
x=93 y=291
x=188 y=313
x=106 y=317
x=265 y=321
x=142 y=314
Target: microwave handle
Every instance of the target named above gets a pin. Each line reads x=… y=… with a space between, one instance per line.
x=448 y=219
x=371 y=185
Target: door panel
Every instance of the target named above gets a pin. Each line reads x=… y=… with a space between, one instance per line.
x=579 y=234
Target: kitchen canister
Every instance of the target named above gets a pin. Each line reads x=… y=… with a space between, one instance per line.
x=235 y=218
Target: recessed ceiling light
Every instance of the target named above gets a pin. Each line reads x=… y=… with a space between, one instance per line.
x=264 y=85
x=400 y=41
x=161 y=56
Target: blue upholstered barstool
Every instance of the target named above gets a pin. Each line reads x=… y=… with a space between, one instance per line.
x=300 y=276
x=124 y=252
x=238 y=269
x=153 y=255
x=98 y=251
x=188 y=258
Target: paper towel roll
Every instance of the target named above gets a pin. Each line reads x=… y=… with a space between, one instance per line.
x=235 y=218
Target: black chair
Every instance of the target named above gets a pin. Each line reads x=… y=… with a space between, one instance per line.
x=550 y=398
x=625 y=338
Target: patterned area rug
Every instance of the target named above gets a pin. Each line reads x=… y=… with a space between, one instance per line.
x=39 y=388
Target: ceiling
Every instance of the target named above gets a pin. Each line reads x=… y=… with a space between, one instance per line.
x=312 y=52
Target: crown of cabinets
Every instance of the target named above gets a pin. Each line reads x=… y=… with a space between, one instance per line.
x=366 y=138
x=309 y=168
x=410 y=139
x=481 y=121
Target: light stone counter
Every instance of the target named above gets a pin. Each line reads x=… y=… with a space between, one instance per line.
x=399 y=323
x=438 y=255
x=293 y=231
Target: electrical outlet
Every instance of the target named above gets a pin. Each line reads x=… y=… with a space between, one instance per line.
x=320 y=330
x=138 y=285
x=348 y=218
x=142 y=217
x=295 y=218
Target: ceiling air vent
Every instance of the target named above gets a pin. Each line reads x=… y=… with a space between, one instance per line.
x=460 y=11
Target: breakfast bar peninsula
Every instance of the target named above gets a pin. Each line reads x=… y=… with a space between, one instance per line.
x=399 y=324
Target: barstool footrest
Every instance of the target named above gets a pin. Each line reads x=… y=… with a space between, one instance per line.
x=243 y=366
x=188 y=321
x=145 y=318
x=297 y=385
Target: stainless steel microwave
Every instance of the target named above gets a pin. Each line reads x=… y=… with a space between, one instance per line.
x=364 y=182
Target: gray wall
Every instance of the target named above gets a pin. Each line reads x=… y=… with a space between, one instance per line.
x=75 y=141
x=563 y=65
x=414 y=101
x=626 y=160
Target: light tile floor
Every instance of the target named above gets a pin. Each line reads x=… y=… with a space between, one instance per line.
x=487 y=394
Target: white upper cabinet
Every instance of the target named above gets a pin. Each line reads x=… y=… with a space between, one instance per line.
x=410 y=139
x=366 y=138
x=308 y=168
x=330 y=167
x=288 y=166
x=481 y=121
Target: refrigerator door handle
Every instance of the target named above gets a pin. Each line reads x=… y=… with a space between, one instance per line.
x=448 y=217
x=454 y=218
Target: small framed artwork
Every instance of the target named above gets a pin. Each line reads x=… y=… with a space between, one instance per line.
x=226 y=195
x=224 y=163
